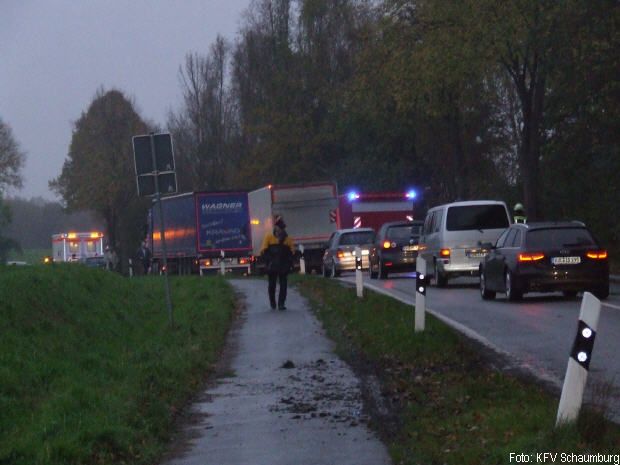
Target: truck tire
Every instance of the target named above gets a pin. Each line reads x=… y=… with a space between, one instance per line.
x=441 y=280
x=383 y=272
x=372 y=274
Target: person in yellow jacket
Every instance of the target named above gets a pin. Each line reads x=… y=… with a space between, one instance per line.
x=277 y=250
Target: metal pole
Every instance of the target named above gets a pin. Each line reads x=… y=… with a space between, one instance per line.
x=161 y=231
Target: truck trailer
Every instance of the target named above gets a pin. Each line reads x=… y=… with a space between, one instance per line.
x=373 y=209
x=203 y=230
x=310 y=212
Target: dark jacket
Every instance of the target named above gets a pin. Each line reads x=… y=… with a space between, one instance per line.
x=278 y=251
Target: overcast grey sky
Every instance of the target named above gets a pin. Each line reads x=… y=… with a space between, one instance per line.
x=55 y=54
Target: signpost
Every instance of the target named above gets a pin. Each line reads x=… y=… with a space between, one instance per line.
x=155 y=174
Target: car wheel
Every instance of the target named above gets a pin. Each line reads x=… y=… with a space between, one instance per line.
x=334 y=272
x=371 y=273
x=440 y=279
x=513 y=294
x=324 y=271
x=601 y=292
x=484 y=292
x=383 y=272
x=570 y=294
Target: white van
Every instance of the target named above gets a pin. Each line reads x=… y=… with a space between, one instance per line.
x=453 y=233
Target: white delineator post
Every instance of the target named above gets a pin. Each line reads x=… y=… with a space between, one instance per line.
x=302 y=260
x=222 y=263
x=579 y=361
x=359 y=283
x=130 y=268
x=420 y=294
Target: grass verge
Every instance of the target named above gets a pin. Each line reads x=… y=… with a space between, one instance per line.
x=450 y=406
x=91 y=371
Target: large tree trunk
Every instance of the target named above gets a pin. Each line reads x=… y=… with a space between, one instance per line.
x=531 y=91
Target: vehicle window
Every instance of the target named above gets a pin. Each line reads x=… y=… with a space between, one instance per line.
x=510 y=237
x=516 y=241
x=427 y=224
x=91 y=246
x=331 y=241
x=399 y=233
x=357 y=238
x=469 y=217
x=437 y=221
x=559 y=237
x=502 y=239
x=416 y=229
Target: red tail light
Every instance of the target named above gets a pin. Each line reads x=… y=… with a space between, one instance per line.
x=445 y=253
x=387 y=244
x=340 y=254
x=243 y=261
x=597 y=254
x=531 y=257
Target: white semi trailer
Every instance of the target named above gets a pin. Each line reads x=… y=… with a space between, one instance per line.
x=309 y=211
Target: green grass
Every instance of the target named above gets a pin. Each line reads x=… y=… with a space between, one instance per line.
x=91 y=371
x=453 y=409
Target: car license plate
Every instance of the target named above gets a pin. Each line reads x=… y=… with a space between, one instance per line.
x=410 y=248
x=566 y=260
x=475 y=253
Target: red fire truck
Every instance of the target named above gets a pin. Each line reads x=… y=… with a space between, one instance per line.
x=371 y=210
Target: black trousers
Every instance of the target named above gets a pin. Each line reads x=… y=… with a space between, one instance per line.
x=273 y=278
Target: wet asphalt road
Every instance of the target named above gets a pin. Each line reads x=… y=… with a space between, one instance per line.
x=537 y=333
x=290 y=399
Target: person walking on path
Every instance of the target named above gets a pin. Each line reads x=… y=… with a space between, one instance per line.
x=110 y=258
x=277 y=251
x=144 y=255
x=519 y=213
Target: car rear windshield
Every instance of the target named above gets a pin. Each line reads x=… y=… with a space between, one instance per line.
x=559 y=237
x=399 y=233
x=357 y=238
x=469 y=217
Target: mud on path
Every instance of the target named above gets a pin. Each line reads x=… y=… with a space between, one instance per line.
x=288 y=399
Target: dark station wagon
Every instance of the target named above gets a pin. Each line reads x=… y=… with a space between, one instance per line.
x=395 y=249
x=545 y=257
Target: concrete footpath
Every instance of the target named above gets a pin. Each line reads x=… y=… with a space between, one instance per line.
x=288 y=401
